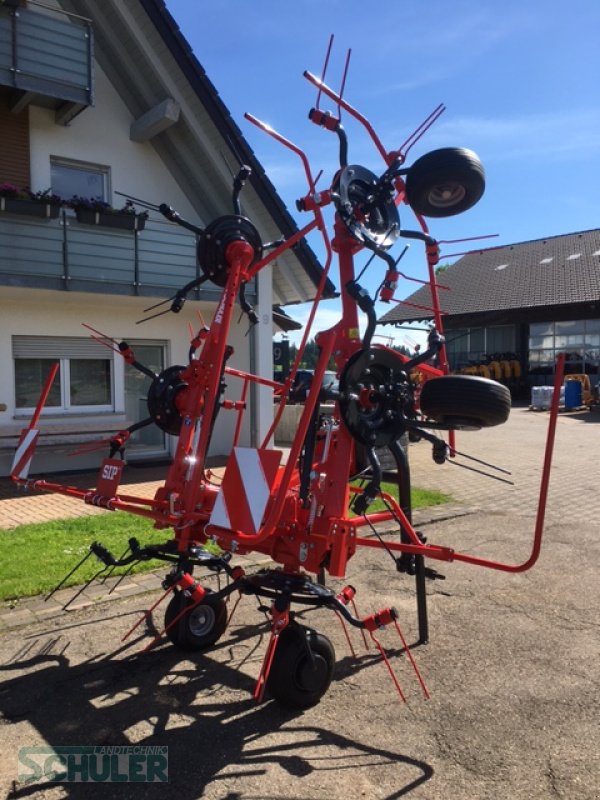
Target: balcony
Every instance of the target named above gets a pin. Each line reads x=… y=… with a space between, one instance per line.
x=46 y=57
x=65 y=254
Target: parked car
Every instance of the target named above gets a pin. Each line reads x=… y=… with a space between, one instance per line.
x=303 y=382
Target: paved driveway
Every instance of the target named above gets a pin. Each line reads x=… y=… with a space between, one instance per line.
x=512 y=665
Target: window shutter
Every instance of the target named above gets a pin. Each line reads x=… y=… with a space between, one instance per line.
x=14 y=153
x=57 y=347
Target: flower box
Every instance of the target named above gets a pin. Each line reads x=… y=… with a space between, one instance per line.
x=32 y=208
x=127 y=222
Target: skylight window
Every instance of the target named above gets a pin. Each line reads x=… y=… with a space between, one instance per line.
x=597 y=253
x=501 y=266
x=573 y=256
x=547 y=260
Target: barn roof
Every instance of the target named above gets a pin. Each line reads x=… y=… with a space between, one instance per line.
x=555 y=271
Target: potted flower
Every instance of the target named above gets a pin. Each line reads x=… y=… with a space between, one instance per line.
x=23 y=201
x=91 y=211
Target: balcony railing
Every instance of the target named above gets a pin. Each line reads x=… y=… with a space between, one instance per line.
x=47 y=55
x=65 y=254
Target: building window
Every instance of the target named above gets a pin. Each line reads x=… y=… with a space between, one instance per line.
x=30 y=376
x=84 y=382
x=70 y=178
x=578 y=339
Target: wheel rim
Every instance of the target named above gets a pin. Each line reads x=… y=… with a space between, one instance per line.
x=201 y=621
x=446 y=195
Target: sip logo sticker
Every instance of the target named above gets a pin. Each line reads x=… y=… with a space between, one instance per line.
x=109 y=477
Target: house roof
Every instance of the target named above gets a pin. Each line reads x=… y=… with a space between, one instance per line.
x=552 y=272
x=147 y=59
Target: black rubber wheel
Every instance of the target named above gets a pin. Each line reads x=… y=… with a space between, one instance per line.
x=445 y=182
x=199 y=628
x=465 y=401
x=298 y=679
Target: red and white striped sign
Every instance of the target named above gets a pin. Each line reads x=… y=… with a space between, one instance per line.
x=244 y=493
x=24 y=453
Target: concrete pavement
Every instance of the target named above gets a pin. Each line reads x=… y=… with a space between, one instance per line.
x=512 y=664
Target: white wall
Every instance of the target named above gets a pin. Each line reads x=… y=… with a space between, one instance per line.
x=100 y=135
x=50 y=313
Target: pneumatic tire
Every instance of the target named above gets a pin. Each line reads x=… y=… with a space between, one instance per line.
x=465 y=401
x=445 y=182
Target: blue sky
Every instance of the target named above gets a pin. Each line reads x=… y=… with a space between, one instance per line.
x=521 y=83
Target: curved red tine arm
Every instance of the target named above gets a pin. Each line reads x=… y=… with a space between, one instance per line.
x=414 y=137
x=329 y=254
x=286 y=143
x=322 y=87
x=325 y=65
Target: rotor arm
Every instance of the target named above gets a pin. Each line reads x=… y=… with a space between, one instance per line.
x=238 y=184
x=365 y=302
x=326 y=120
x=174 y=216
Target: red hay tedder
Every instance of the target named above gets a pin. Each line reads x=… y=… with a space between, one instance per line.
x=311 y=513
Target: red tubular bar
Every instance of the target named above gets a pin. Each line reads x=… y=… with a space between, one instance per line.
x=446 y=554
x=44 y=395
x=328 y=340
x=116 y=503
x=541 y=511
x=273 y=254
x=238 y=425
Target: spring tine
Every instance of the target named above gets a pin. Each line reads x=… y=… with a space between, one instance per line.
x=154 y=316
x=160 y=303
x=343 y=85
x=67 y=576
x=83 y=588
x=261 y=683
x=388 y=665
x=346 y=634
x=362 y=630
x=324 y=72
x=124 y=575
x=147 y=613
x=485 y=463
x=480 y=471
x=412 y=660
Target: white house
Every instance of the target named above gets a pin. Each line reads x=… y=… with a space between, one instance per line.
x=98 y=99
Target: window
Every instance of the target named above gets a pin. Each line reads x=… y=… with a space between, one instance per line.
x=500 y=339
x=79 y=178
x=578 y=339
x=149 y=439
x=84 y=382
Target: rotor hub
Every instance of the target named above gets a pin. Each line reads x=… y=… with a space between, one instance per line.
x=369 y=214
x=375 y=396
x=162 y=399
x=217 y=236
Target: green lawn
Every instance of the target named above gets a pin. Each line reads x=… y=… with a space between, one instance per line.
x=34 y=558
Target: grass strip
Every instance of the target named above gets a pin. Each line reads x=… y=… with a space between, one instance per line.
x=34 y=558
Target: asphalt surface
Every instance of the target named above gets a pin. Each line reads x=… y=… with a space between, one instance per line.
x=512 y=664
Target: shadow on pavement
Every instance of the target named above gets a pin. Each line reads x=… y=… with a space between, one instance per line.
x=159 y=699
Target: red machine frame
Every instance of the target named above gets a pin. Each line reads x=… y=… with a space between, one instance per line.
x=297 y=513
